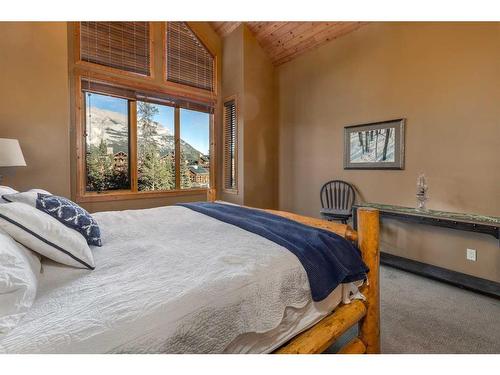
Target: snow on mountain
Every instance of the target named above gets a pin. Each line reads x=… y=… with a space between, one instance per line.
x=112 y=127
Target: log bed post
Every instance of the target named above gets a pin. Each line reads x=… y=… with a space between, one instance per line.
x=324 y=333
x=368 y=242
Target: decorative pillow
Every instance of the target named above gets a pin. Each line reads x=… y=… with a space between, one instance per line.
x=6 y=190
x=71 y=215
x=47 y=236
x=19 y=270
x=28 y=197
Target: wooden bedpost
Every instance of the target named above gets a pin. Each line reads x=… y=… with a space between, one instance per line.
x=368 y=241
x=211 y=195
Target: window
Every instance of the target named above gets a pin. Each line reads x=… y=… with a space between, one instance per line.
x=107 y=143
x=230 y=146
x=188 y=61
x=120 y=45
x=142 y=129
x=155 y=147
x=169 y=132
x=195 y=149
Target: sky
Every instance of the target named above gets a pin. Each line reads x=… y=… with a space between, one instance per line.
x=195 y=126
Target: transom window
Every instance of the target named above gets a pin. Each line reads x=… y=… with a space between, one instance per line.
x=189 y=62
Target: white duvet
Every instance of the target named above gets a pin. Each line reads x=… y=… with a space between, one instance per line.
x=167 y=280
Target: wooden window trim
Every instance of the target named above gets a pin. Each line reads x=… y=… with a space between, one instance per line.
x=224 y=188
x=83 y=196
x=108 y=69
x=165 y=59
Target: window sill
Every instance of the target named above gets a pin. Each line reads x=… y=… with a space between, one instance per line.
x=130 y=195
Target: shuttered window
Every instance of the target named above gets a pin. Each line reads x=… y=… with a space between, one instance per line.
x=120 y=45
x=188 y=60
x=230 y=145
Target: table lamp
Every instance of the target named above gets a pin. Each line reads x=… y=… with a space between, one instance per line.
x=10 y=154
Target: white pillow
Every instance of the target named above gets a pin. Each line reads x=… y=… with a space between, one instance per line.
x=28 y=197
x=47 y=236
x=6 y=190
x=19 y=270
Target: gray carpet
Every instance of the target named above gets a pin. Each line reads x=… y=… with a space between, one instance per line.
x=419 y=315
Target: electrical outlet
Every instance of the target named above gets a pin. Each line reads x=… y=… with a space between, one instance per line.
x=471 y=254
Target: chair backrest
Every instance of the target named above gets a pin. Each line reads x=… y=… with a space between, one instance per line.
x=337 y=195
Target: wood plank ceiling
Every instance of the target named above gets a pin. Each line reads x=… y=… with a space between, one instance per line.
x=283 y=41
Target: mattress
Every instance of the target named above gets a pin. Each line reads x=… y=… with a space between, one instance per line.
x=171 y=280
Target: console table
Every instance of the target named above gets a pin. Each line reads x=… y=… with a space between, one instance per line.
x=459 y=221
x=454 y=220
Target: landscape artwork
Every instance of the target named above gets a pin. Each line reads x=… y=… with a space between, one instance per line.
x=374 y=146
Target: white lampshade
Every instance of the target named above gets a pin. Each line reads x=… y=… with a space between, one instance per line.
x=10 y=153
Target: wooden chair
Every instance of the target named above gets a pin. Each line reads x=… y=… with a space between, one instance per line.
x=337 y=198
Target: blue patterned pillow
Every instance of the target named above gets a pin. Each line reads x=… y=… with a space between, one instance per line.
x=71 y=215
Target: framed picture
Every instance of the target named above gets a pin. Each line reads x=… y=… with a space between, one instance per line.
x=379 y=145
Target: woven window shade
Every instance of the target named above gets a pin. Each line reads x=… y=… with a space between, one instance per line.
x=230 y=133
x=119 y=45
x=188 y=60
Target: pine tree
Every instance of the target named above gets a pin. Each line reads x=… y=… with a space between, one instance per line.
x=155 y=172
x=184 y=171
x=99 y=168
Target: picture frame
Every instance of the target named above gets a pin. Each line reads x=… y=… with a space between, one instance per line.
x=377 y=145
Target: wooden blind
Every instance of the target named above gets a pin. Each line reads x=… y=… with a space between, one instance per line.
x=230 y=150
x=119 y=45
x=188 y=60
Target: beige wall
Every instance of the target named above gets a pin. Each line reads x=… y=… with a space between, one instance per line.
x=35 y=107
x=261 y=126
x=444 y=78
x=233 y=86
x=34 y=103
x=249 y=75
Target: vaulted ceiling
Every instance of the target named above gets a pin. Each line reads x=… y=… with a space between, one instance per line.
x=283 y=41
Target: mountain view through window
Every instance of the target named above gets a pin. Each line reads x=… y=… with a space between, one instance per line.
x=108 y=149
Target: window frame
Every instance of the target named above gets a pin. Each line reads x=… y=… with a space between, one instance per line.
x=82 y=195
x=234 y=190
x=91 y=65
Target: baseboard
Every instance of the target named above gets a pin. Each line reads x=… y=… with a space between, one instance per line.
x=461 y=280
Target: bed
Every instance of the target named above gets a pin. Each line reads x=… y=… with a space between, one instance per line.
x=195 y=284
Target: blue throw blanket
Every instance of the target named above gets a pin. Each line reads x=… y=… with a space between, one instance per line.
x=328 y=258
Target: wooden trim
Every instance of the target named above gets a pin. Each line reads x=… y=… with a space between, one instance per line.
x=79 y=137
x=132 y=139
x=320 y=336
x=90 y=65
x=164 y=88
x=177 y=142
x=212 y=149
x=236 y=106
x=121 y=195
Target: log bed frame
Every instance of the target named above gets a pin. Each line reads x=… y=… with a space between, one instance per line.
x=365 y=313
